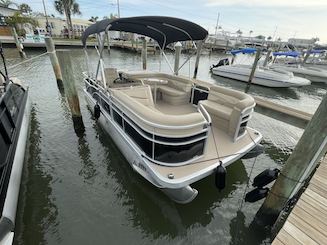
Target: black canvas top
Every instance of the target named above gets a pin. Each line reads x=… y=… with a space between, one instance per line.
x=164 y=30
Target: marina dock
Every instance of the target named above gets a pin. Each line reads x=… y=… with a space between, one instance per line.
x=125 y=45
x=307 y=222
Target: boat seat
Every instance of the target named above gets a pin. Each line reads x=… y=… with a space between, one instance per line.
x=154 y=116
x=228 y=108
x=141 y=94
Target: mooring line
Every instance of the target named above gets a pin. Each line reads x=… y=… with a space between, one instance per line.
x=33 y=58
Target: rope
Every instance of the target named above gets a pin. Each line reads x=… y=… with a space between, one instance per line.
x=33 y=58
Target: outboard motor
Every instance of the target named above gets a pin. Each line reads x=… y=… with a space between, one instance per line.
x=220 y=177
x=221 y=62
x=97 y=111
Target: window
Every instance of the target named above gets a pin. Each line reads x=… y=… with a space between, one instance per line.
x=117 y=118
x=179 y=153
x=144 y=144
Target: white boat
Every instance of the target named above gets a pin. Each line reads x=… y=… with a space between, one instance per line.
x=14 y=124
x=314 y=74
x=263 y=76
x=172 y=130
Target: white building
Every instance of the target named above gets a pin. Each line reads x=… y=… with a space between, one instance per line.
x=302 y=43
x=5 y=31
x=57 y=25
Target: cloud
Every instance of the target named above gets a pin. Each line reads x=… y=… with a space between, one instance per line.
x=269 y=3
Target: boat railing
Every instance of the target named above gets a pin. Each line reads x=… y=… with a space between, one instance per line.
x=204 y=113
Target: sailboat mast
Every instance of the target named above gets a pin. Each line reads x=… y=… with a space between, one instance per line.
x=217 y=24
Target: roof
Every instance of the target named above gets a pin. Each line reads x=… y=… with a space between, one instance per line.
x=164 y=30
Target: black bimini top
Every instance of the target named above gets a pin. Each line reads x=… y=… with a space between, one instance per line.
x=164 y=30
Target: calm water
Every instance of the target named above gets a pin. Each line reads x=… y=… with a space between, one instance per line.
x=81 y=190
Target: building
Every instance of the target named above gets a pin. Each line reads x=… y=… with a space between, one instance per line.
x=5 y=31
x=303 y=43
x=57 y=25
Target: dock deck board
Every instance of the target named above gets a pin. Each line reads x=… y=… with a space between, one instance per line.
x=307 y=223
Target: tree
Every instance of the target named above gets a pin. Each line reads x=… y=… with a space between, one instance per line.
x=269 y=38
x=7 y=3
x=68 y=8
x=25 y=8
x=239 y=32
x=94 y=18
x=18 y=20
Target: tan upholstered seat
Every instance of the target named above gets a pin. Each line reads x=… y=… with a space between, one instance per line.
x=226 y=108
x=150 y=114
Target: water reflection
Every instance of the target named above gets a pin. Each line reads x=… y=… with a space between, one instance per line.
x=36 y=214
x=154 y=212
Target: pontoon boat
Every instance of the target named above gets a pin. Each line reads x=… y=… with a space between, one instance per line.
x=172 y=130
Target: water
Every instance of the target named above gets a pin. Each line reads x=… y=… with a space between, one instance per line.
x=81 y=190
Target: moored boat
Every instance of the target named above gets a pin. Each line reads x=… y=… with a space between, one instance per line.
x=263 y=76
x=172 y=130
x=14 y=123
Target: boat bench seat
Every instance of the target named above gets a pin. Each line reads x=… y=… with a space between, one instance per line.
x=144 y=109
x=227 y=108
x=177 y=91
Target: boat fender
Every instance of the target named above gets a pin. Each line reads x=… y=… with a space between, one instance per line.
x=97 y=111
x=256 y=194
x=265 y=177
x=220 y=177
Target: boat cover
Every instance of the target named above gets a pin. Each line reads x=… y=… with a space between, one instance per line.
x=244 y=51
x=289 y=53
x=317 y=51
x=164 y=30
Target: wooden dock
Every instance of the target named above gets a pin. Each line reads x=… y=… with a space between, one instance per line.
x=307 y=222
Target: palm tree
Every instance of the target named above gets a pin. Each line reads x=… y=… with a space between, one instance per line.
x=94 y=18
x=68 y=8
x=25 y=8
x=7 y=3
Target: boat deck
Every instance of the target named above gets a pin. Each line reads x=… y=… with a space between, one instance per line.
x=307 y=223
x=173 y=109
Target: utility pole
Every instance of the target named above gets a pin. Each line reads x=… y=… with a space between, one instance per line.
x=118 y=8
x=48 y=27
x=216 y=29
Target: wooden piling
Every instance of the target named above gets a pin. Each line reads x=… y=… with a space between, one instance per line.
x=199 y=47
x=108 y=41
x=66 y=66
x=307 y=153
x=254 y=67
x=306 y=56
x=144 y=54
x=265 y=63
x=178 y=50
x=54 y=61
x=19 y=45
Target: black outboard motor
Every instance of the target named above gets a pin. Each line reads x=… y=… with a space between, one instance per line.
x=221 y=62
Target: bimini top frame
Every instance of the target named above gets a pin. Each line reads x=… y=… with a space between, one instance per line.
x=164 y=30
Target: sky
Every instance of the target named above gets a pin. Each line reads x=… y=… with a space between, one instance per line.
x=275 y=18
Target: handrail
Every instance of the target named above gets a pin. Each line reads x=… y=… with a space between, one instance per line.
x=205 y=114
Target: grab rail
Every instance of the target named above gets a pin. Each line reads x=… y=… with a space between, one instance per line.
x=204 y=112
